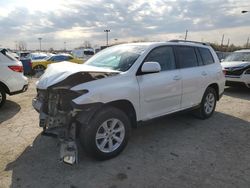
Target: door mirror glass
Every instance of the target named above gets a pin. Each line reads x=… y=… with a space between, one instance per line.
x=151 y=67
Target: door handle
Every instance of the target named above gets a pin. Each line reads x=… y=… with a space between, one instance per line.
x=176 y=77
x=204 y=73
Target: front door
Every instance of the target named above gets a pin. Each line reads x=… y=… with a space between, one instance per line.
x=160 y=93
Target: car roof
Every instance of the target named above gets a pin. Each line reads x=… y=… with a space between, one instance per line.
x=245 y=50
x=62 y=55
x=172 y=42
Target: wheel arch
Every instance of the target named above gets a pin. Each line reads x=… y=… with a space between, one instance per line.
x=6 y=89
x=127 y=107
x=215 y=86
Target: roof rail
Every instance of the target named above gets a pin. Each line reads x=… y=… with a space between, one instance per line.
x=203 y=43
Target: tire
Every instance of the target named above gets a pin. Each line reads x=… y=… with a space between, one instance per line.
x=207 y=105
x=38 y=69
x=2 y=96
x=100 y=148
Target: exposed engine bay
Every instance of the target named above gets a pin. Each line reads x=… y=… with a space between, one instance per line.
x=60 y=117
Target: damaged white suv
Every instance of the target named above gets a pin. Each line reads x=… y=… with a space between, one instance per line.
x=99 y=101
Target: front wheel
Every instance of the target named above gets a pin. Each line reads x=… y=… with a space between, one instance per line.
x=107 y=134
x=207 y=105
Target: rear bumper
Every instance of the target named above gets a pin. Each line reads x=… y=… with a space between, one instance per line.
x=25 y=88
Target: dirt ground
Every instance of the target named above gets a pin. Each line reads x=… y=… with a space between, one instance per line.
x=174 y=151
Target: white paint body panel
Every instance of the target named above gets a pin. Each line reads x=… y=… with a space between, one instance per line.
x=152 y=95
x=15 y=81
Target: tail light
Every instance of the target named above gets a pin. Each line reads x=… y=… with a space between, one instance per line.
x=30 y=63
x=16 y=68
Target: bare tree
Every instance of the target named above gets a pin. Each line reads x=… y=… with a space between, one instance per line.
x=87 y=44
x=22 y=45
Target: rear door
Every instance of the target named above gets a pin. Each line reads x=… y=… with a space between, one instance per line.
x=191 y=75
x=209 y=72
x=160 y=93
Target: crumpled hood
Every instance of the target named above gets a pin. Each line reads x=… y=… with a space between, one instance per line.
x=235 y=64
x=57 y=72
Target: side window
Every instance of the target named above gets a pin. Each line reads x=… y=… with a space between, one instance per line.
x=58 y=58
x=164 y=56
x=206 y=56
x=198 y=55
x=186 y=56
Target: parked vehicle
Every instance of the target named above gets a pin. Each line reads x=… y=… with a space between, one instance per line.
x=12 y=80
x=120 y=86
x=41 y=65
x=84 y=54
x=237 y=68
x=222 y=55
x=39 y=56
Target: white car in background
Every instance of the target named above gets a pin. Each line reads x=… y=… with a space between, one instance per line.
x=237 y=68
x=12 y=80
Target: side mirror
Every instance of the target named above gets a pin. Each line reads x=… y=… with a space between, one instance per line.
x=151 y=67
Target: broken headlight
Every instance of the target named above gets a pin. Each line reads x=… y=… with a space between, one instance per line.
x=66 y=96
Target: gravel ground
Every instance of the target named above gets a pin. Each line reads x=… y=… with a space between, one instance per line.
x=174 y=151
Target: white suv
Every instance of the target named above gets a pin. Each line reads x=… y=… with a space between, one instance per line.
x=120 y=86
x=12 y=80
x=237 y=68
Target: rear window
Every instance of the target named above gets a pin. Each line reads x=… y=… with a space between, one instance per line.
x=206 y=56
x=8 y=55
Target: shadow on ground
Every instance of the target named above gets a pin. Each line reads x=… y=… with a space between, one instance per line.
x=8 y=110
x=238 y=92
x=174 y=151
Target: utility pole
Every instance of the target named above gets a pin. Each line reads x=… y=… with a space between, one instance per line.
x=222 y=40
x=40 y=42
x=247 y=42
x=107 y=35
x=15 y=45
x=186 y=34
x=228 y=41
x=64 y=46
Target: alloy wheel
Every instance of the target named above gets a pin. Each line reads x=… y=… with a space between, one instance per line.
x=110 y=135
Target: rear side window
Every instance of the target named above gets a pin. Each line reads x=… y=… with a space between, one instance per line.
x=206 y=56
x=164 y=56
x=186 y=56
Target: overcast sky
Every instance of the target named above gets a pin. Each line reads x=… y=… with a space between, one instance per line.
x=75 y=21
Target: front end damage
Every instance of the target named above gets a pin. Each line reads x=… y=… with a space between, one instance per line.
x=59 y=116
x=58 y=119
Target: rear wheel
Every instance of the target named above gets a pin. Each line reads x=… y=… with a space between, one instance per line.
x=38 y=69
x=107 y=134
x=2 y=96
x=207 y=105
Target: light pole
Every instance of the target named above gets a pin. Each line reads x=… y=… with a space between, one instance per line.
x=107 y=35
x=65 y=46
x=40 y=42
x=186 y=34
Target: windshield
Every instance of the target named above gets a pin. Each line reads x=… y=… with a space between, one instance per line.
x=119 y=58
x=88 y=52
x=238 y=56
